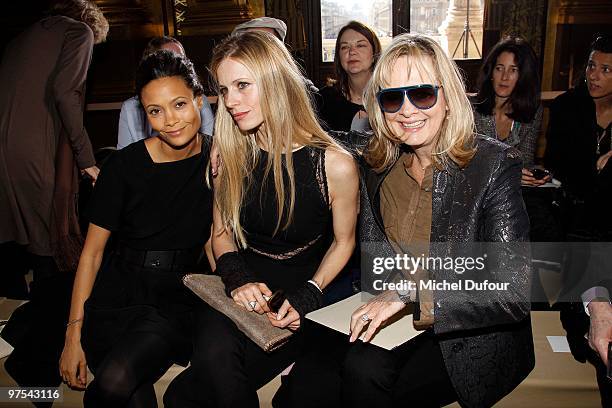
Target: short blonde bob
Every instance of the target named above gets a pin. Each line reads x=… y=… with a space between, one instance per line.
x=455 y=139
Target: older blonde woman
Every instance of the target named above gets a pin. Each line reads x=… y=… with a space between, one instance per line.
x=428 y=182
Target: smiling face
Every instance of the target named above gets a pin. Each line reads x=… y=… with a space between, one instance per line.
x=415 y=127
x=172 y=110
x=599 y=74
x=240 y=94
x=505 y=74
x=356 y=53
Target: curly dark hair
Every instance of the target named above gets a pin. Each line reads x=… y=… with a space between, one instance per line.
x=525 y=98
x=163 y=64
x=85 y=11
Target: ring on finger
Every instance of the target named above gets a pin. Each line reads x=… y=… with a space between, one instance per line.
x=252 y=304
x=365 y=317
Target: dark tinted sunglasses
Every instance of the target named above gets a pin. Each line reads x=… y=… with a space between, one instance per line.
x=423 y=96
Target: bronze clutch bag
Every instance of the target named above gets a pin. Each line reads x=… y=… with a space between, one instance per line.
x=256 y=327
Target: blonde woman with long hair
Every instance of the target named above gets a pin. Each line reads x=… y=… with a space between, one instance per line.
x=429 y=184
x=283 y=186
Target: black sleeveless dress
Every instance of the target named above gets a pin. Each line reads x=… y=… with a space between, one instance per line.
x=290 y=257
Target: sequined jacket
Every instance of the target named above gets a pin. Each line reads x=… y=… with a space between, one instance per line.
x=485 y=337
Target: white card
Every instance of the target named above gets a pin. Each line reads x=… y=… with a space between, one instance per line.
x=558 y=344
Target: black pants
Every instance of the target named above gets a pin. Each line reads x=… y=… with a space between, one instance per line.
x=14 y=264
x=226 y=368
x=36 y=329
x=576 y=323
x=336 y=373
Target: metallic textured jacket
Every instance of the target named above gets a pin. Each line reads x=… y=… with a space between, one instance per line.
x=485 y=336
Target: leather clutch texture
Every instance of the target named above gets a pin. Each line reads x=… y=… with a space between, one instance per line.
x=256 y=327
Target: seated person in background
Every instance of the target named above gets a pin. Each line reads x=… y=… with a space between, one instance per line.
x=579 y=147
x=133 y=124
x=131 y=315
x=341 y=104
x=507 y=106
x=270 y=25
x=275 y=27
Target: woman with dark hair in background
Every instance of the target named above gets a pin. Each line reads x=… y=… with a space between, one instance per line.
x=341 y=105
x=133 y=124
x=507 y=106
x=579 y=147
x=43 y=145
x=131 y=315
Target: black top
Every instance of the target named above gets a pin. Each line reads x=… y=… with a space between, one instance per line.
x=147 y=206
x=335 y=111
x=572 y=153
x=154 y=206
x=290 y=257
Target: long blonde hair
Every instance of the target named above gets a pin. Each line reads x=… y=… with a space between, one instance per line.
x=455 y=139
x=289 y=119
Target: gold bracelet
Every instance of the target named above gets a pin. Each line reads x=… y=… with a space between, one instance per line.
x=74 y=321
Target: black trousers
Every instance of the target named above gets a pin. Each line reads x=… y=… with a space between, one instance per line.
x=226 y=368
x=14 y=264
x=36 y=329
x=336 y=373
x=576 y=323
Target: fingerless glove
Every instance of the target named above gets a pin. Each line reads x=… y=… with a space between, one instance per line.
x=233 y=271
x=305 y=299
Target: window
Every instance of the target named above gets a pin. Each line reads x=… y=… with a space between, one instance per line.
x=447 y=25
x=435 y=18
x=336 y=13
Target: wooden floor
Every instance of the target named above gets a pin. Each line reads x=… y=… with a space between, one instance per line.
x=557 y=381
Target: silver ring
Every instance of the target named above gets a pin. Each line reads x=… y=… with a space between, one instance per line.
x=365 y=317
x=253 y=304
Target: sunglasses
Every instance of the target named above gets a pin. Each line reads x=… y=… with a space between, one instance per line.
x=423 y=96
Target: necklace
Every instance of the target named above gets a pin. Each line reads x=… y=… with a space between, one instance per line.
x=418 y=163
x=599 y=140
